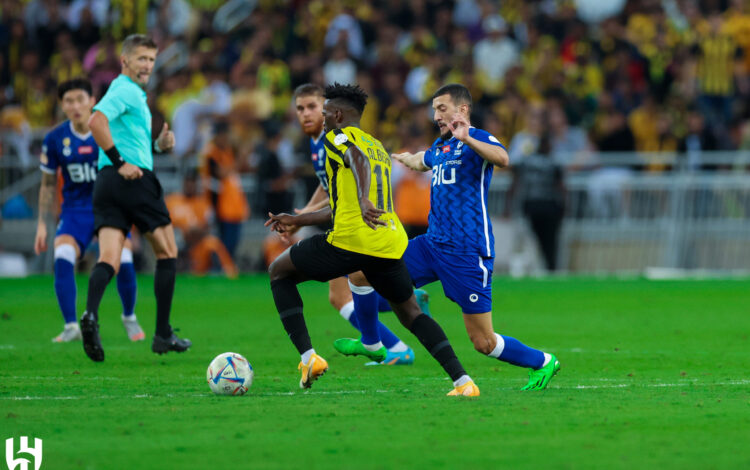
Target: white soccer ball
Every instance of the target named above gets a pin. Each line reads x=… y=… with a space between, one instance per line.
x=229 y=374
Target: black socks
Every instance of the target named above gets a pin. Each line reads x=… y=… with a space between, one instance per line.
x=100 y=277
x=289 y=305
x=432 y=337
x=166 y=271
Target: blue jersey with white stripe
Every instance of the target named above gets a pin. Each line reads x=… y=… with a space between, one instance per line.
x=458 y=221
x=318 y=155
x=76 y=155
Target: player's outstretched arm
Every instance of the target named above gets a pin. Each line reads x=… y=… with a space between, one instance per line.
x=415 y=161
x=494 y=154
x=317 y=201
x=46 y=203
x=99 y=125
x=360 y=166
x=285 y=223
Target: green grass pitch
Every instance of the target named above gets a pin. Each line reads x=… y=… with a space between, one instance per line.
x=654 y=375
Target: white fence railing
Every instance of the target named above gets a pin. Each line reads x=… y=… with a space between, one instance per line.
x=621 y=215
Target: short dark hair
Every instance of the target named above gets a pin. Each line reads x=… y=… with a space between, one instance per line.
x=352 y=95
x=74 y=84
x=137 y=40
x=307 y=89
x=459 y=94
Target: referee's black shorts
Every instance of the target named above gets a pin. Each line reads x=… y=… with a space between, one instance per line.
x=321 y=261
x=121 y=203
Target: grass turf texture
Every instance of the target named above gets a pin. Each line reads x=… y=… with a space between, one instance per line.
x=654 y=375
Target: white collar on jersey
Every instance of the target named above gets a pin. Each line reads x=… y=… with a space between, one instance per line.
x=315 y=141
x=80 y=136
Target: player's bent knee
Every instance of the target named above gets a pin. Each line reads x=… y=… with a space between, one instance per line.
x=484 y=344
x=66 y=252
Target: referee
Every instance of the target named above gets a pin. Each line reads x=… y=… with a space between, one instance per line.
x=127 y=192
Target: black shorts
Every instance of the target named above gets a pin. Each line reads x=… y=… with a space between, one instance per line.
x=120 y=203
x=321 y=261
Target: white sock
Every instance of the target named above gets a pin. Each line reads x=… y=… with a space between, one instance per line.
x=72 y=324
x=498 y=347
x=128 y=317
x=307 y=355
x=347 y=310
x=463 y=380
x=399 y=347
x=373 y=347
x=547 y=358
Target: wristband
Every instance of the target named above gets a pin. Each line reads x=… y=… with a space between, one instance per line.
x=114 y=157
x=156 y=146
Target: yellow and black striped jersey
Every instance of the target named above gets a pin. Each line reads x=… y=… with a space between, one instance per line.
x=349 y=230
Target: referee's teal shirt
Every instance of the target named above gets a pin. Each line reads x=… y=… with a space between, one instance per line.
x=125 y=106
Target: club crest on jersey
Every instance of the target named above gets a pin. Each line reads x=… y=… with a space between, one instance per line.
x=85 y=150
x=315 y=157
x=460 y=144
x=446 y=148
x=66 y=151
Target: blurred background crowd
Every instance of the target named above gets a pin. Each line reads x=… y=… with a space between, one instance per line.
x=592 y=76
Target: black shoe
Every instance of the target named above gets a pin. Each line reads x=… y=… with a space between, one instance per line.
x=173 y=343
x=92 y=344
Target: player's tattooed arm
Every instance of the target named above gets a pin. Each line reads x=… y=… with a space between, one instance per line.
x=46 y=207
x=47 y=196
x=360 y=165
x=415 y=161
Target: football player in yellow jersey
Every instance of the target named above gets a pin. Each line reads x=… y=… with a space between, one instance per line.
x=366 y=236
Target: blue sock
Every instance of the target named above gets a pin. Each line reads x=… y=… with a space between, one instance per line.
x=65 y=288
x=126 y=286
x=368 y=304
x=383 y=305
x=366 y=313
x=517 y=353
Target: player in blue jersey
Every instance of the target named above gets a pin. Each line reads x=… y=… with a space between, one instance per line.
x=345 y=297
x=458 y=248
x=70 y=148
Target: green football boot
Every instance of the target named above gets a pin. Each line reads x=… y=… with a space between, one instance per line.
x=354 y=347
x=539 y=378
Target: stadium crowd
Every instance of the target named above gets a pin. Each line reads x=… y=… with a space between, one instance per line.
x=636 y=75
x=640 y=79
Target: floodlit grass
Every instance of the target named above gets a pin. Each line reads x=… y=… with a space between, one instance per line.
x=654 y=375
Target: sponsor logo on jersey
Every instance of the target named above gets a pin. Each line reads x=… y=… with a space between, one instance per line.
x=340 y=139
x=85 y=150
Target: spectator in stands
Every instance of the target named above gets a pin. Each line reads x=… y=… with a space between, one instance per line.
x=538 y=186
x=220 y=170
x=191 y=215
x=494 y=54
x=274 y=176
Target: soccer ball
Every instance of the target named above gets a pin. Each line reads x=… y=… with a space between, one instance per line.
x=229 y=374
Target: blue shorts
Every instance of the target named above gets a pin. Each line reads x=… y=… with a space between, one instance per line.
x=466 y=279
x=79 y=224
